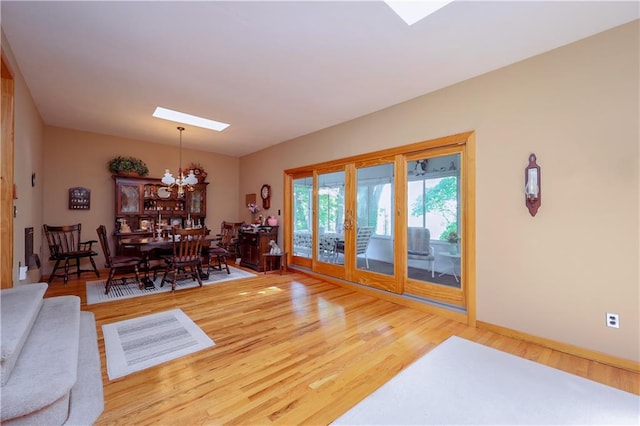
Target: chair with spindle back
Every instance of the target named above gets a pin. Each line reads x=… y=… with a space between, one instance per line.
x=121 y=265
x=65 y=244
x=187 y=253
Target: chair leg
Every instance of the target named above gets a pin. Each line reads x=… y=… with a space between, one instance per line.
x=224 y=259
x=77 y=266
x=66 y=271
x=209 y=258
x=95 y=268
x=195 y=270
x=164 y=277
x=175 y=278
x=112 y=272
x=366 y=260
x=53 y=272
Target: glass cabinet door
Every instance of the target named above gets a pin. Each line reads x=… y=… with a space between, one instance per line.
x=196 y=204
x=130 y=199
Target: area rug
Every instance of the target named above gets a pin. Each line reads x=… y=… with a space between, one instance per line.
x=462 y=382
x=95 y=289
x=139 y=343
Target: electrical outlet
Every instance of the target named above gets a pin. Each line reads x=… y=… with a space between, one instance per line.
x=613 y=320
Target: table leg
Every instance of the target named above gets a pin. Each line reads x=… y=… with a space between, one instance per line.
x=146 y=281
x=452 y=264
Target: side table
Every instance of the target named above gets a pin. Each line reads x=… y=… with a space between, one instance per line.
x=454 y=260
x=282 y=259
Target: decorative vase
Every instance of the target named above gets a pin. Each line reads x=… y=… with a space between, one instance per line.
x=272 y=221
x=453 y=248
x=130 y=173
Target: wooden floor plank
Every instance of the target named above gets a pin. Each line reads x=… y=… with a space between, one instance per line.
x=290 y=349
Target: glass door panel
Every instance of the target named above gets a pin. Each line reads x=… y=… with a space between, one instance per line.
x=371 y=246
x=434 y=224
x=330 y=215
x=302 y=216
x=374 y=207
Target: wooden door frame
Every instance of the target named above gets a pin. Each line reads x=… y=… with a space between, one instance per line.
x=468 y=177
x=7 y=188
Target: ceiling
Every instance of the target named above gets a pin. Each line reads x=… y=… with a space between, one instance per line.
x=273 y=70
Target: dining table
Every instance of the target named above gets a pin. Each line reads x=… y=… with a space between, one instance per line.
x=148 y=245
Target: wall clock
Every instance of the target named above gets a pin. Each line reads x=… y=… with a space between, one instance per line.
x=265 y=193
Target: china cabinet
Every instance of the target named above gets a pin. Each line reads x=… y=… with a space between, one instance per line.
x=143 y=202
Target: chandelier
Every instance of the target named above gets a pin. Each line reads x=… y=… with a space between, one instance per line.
x=181 y=182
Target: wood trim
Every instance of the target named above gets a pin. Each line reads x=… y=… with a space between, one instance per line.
x=425 y=289
x=462 y=144
x=469 y=234
x=390 y=297
x=563 y=347
x=456 y=139
x=7 y=185
x=453 y=296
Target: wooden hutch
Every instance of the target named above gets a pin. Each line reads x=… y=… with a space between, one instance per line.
x=253 y=243
x=141 y=203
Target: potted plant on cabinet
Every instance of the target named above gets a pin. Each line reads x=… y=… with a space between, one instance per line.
x=128 y=166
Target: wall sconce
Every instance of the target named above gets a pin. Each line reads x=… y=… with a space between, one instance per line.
x=532 y=185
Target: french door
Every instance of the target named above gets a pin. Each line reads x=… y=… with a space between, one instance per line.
x=434 y=212
x=370 y=243
x=399 y=220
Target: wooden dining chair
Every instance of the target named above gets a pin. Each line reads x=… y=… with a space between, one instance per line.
x=228 y=238
x=187 y=254
x=216 y=255
x=65 y=244
x=121 y=265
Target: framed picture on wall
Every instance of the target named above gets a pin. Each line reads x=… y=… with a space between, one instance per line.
x=79 y=198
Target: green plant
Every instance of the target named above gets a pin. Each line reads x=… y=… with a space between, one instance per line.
x=128 y=164
x=453 y=237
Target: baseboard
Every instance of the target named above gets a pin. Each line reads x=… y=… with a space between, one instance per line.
x=563 y=347
x=399 y=299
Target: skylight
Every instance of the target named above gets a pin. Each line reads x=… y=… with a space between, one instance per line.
x=193 y=120
x=411 y=11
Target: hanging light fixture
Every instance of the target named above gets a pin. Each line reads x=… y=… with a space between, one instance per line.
x=181 y=182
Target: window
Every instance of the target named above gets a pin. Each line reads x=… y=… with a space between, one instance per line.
x=433 y=199
x=302 y=203
x=330 y=202
x=375 y=198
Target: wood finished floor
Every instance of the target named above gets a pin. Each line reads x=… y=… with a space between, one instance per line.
x=290 y=349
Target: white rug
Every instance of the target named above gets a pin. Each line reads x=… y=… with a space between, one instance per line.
x=462 y=382
x=139 y=343
x=95 y=289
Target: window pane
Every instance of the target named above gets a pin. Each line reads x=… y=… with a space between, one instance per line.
x=330 y=214
x=433 y=195
x=302 y=208
x=375 y=218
